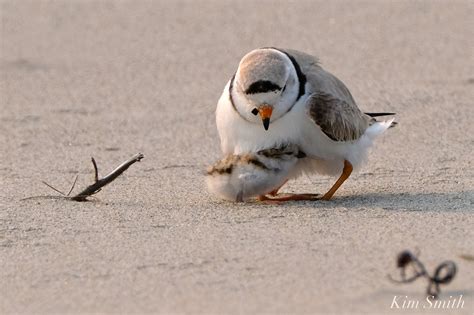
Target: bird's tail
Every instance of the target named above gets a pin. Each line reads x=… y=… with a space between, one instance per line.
x=373 y=115
x=380 y=114
x=379 y=127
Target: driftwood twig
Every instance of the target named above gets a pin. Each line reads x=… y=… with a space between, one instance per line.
x=98 y=184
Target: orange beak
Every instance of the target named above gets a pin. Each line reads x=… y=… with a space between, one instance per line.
x=265 y=112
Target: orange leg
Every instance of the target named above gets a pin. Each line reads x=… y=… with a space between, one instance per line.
x=346 y=172
x=274 y=192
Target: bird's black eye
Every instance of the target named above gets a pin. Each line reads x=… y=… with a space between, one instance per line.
x=255 y=111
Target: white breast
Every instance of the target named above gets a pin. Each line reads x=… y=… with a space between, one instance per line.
x=240 y=136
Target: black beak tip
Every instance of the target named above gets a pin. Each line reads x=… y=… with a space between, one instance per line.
x=266 y=123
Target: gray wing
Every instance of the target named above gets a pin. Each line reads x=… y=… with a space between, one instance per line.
x=338 y=119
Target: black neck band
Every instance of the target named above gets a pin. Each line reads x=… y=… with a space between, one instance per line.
x=299 y=73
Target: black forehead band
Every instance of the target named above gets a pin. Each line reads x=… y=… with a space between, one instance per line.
x=262 y=86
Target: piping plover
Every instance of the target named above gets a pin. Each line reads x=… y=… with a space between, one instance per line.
x=244 y=176
x=298 y=102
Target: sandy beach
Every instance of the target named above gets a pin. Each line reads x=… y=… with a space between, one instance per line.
x=110 y=79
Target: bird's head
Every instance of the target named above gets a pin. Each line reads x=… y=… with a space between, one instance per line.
x=265 y=86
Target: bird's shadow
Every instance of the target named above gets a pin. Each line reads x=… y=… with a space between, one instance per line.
x=436 y=202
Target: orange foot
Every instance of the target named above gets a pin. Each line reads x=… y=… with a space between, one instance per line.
x=289 y=197
x=274 y=192
x=346 y=172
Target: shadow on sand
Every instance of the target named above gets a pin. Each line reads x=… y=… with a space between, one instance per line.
x=436 y=202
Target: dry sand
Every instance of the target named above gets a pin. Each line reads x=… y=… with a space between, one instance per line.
x=109 y=79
